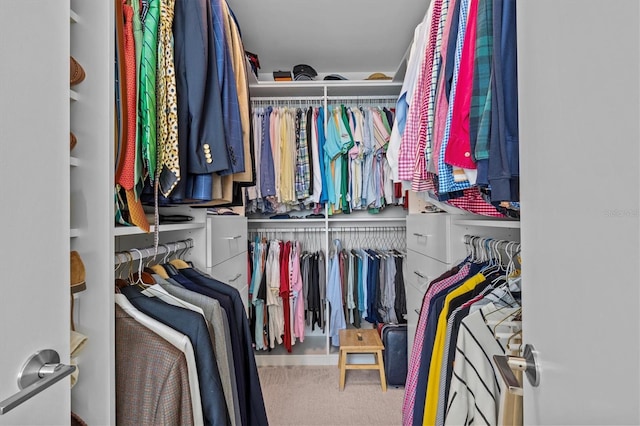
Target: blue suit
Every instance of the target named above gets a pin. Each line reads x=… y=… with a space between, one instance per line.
x=249 y=389
x=201 y=138
x=193 y=326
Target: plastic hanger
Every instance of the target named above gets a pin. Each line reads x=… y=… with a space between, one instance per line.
x=158 y=268
x=141 y=278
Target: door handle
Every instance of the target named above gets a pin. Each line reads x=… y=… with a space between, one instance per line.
x=528 y=363
x=41 y=370
x=235 y=278
x=232 y=238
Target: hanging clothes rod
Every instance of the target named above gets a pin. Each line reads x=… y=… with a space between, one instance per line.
x=393 y=98
x=284 y=230
x=146 y=252
x=287 y=99
x=377 y=229
x=485 y=243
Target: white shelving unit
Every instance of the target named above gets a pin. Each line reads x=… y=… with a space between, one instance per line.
x=316 y=348
x=93 y=232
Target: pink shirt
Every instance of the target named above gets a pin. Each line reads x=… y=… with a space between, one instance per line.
x=458 y=151
x=298 y=296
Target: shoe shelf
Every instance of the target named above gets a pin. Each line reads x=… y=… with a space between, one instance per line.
x=73 y=17
x=73 y=95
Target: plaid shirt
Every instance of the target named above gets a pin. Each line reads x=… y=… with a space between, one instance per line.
x=303 y=167
x=480 y=113
x=411 y=135
x=428 y=108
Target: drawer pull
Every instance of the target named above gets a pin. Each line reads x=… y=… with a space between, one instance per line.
x=418 y=273
x=417 y=311
x=235 y=278
x=421 y=235
x=232 y=238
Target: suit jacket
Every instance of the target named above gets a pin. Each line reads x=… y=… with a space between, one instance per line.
x=201 y=138
x=256 y=410
x=237 y=343
x=222 y=345
x=194 y=326
x=152 y=381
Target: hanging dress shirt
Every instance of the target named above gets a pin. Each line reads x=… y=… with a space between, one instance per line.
x=297 y=293
x=274 y=301
x=458 y=152
x=337 y=320
x=317 y=157
x=447 y=182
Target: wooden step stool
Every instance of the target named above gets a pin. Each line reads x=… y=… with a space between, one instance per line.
x=361 y=341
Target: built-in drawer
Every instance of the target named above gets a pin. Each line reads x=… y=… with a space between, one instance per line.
x=422 y=269
x=414 y=301
x=226 y=238
x=428 y=234
x=232 y=271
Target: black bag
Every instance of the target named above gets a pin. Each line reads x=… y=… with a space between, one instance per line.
x=394 y=339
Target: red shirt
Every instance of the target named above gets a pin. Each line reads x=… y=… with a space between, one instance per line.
x=458 y=150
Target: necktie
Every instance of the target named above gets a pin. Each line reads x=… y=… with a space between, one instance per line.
x=120 y=106
x=167 y=105
x=129 y=118
x=136 y=212
x=147 y=87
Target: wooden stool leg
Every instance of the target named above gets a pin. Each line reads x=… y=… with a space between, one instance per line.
x=343 y=368
x=383 y=378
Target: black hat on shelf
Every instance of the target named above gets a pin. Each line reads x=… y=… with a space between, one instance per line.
x=304 y=72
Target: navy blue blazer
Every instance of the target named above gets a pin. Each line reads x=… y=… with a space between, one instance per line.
x=230 y=299
x=237 y=343
x=193 y=326
x=201 y=141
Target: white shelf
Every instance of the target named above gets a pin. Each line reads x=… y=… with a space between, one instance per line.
x=488 y=223
x=73 y=95
x=73 y=17
x=134 y=230
x=74 y=233
x=73 y=161
x=350 y=88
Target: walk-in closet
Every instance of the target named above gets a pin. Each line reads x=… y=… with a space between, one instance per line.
x=246 y=181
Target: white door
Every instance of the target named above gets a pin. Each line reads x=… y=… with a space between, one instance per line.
x=34 y=172
x=579 y=136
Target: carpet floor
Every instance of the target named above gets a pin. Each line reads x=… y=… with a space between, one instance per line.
x=310 y=395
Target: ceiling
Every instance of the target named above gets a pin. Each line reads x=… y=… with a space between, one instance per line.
x=351 y=37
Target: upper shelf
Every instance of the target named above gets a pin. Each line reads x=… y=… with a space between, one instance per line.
x=350 y=88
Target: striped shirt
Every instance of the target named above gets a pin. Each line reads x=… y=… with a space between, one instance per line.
x=474 y=393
